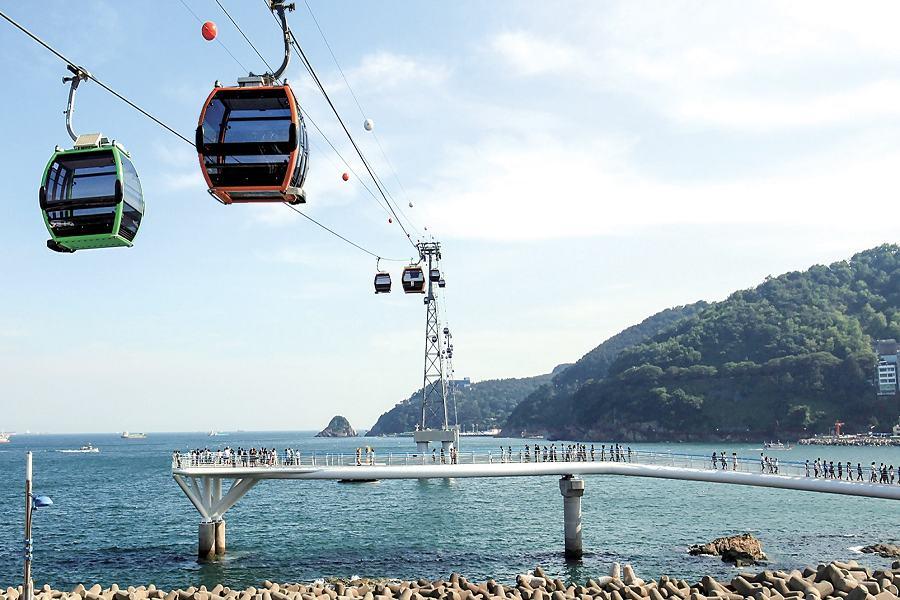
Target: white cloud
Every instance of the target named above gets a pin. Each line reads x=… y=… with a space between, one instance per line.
x=760 y=67
x=870 y=103
x=504 y=189
x=530 y=54
x=382 y=70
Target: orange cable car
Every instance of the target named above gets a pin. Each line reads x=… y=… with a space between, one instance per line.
x=251 y=139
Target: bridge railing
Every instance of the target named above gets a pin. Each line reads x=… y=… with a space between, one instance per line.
x=296 y=458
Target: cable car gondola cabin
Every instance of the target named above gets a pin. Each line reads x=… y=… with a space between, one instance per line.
x=413 y=280
x=252 y=144
x=435 y=275
x=382 y=283
x=91 y=196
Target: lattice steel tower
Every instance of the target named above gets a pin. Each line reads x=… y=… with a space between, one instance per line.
x=435 y=425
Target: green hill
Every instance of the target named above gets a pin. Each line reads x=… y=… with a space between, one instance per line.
x=483 y=405
x=786 y=358
x=549 y=407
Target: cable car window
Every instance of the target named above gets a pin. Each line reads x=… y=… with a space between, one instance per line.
x=82 y=221
x=131 y=185
x=247 y=119
x=77 y=177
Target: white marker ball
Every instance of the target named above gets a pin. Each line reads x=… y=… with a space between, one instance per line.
x=369 y=124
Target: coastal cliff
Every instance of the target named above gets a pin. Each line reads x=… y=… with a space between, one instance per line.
x=338 y=427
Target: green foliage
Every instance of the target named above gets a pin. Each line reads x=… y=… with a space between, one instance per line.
x=550 y=407
x=789 y=356
x=484 y=405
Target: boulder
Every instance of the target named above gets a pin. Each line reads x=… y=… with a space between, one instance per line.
x=741 y=550
x=338 y=427
x=885 y=550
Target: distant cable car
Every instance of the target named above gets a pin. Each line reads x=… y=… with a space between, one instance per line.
x=435 y=275
x=251 y=139
x=413 y=280
x=90 y=195
x=382 y=282
x=442 y=283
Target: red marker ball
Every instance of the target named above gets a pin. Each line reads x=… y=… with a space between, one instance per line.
x=209 y=31
x=345 y=177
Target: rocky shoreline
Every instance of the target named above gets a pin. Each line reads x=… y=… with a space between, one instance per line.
x=834 y=581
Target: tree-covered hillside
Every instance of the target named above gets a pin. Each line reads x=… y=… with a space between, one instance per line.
x=549 y=407
x=483 y=405
x=788 y=357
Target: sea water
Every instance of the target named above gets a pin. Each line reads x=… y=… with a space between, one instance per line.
x=118 y=517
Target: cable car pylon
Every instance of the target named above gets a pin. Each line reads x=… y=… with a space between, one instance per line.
x=435 y=426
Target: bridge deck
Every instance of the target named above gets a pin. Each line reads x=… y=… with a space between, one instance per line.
x=741 y=471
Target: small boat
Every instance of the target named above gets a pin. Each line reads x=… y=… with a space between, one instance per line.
x=133 y=436
x=86 y=449
x=4 y=438
x=214 y=433
x=777 y=446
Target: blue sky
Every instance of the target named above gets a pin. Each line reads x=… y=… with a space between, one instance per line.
x=585 y=164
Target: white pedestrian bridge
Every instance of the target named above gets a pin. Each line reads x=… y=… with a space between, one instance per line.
x=203 y=477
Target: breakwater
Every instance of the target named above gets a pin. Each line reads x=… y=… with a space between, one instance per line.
x=850 y=440
x=833 y=581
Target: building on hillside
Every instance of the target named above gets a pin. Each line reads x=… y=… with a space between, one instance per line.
x=461 y=384
x=886 y=368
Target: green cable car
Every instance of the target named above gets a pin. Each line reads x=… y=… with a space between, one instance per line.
x=90 y=195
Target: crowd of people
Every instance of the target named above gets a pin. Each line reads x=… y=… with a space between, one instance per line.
x=882 y=473
x=237 y=457
x=567 y=453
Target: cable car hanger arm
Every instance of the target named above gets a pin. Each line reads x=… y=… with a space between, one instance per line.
x=78 y=75
x=278 y=6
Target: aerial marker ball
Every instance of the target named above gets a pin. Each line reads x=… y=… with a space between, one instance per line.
x=345 y=177
x=410 y=204
x=369 y=124
x=390 y=220
x=209 y=31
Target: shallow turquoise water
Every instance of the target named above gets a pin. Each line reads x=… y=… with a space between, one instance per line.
x=119 y=517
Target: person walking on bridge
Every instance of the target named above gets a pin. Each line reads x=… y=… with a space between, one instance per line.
x=859 y=472
x=714 y=463
x=734 y=461
x=807 y=467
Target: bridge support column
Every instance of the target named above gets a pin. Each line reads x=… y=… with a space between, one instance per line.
x=206 y=541
x=572 y=489
x=220 y=537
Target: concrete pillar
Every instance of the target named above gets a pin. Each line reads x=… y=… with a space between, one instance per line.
x=422 y=447
x=220 y=537
x=206 y=541
x=572 y=489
